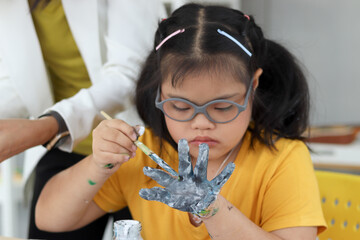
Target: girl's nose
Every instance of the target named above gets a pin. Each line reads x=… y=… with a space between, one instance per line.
x=200 y=121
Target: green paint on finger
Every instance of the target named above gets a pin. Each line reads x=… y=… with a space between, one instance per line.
x=92 y=183
x=109 y=165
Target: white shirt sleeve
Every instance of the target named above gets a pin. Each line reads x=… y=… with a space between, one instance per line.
x=131 y=27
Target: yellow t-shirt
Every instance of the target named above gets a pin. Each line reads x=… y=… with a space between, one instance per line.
x=67 y=70
x=274 y=189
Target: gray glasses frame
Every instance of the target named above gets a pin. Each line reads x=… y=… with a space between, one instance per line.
x=202 y=108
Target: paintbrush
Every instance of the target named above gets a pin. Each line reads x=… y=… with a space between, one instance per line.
x=148 y=152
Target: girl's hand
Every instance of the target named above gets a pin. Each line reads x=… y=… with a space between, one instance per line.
x=191 y=192
x=113 y=144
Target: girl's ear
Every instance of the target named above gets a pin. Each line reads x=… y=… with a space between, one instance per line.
x=257 y=75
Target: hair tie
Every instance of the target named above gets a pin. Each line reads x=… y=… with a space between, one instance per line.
x=235 y=41
x=168 y=37
x=247 y=16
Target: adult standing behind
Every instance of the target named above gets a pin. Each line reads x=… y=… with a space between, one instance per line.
x=82 y=55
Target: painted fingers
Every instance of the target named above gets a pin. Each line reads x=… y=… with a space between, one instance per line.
x=185 y=166
x=191 y=192
x=200 y=170
x=222 y=178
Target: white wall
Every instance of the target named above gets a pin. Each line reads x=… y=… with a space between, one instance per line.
x=325 y=36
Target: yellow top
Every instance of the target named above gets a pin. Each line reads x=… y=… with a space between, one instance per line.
x=274 y=189
x=65 y=65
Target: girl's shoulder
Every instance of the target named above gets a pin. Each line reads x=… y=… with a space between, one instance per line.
x=260 y=165
x=284 y=145
x=284 y=150
x=280 y=145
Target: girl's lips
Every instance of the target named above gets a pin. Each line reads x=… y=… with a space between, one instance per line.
x=209 y=141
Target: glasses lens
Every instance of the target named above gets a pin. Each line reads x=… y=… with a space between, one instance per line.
x=222 y=111
x=178 y=110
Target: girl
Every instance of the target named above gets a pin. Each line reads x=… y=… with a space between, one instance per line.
x=212 y=80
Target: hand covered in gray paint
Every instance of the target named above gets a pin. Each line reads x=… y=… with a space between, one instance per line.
x=191 y=191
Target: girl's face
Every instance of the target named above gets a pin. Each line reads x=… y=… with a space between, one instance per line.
x=200 y=89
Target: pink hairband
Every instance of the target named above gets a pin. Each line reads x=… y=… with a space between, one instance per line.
x=168 y=37
x=247 y=16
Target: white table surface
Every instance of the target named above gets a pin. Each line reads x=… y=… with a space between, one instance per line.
x=337 y=156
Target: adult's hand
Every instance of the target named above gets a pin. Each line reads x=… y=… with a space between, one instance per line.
x=17 y=135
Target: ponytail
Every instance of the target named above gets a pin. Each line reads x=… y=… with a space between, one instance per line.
x=281 y=102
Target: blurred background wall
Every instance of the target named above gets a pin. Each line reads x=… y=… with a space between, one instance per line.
x=324 y=35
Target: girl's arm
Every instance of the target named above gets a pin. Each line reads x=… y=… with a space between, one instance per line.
x=65 y=202
x=230 y=223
